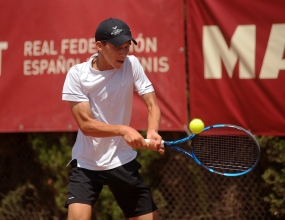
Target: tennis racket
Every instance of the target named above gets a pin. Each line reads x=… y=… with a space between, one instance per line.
x=224 y=149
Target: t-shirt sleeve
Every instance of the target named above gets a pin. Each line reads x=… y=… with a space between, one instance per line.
x=141 y=82
x=72 y=89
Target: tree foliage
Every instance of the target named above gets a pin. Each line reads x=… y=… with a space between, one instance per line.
x=34 y=176
x=274 y=175
x=41 y=177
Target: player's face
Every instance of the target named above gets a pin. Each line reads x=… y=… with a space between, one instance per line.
x=115 y=56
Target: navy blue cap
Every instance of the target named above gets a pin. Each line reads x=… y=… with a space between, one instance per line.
x=114 y=31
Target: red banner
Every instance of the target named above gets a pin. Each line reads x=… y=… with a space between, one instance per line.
x=237 y=63
x=41 y=40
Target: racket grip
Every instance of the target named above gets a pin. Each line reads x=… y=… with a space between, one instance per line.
x=162 y=142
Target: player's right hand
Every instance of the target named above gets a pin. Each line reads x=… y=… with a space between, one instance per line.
x=134 y=138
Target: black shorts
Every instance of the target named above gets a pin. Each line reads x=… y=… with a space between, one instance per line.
x=125 y=182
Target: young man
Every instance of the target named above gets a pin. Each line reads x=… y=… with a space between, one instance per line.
x=100 y=94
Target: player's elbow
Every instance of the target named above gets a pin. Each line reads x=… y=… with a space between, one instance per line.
x=84 y=131
x=85 y=128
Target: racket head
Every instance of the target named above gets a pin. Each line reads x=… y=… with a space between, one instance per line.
x=225 y=149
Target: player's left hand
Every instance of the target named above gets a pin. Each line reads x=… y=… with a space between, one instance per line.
x=155 y=142
x=155 y=146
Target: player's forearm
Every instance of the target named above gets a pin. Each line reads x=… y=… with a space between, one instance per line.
x=154 y=118
x=99 y=129
x=153 y=112
x=90 y=127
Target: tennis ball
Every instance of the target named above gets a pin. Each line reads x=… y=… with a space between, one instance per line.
x=196 y=126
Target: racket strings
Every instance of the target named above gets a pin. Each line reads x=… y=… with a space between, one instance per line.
x=226 y=151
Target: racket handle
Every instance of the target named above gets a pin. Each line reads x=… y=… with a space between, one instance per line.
x=162 y=142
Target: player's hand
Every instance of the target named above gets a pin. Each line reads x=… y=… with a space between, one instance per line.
x=155 y=142
x=155 y=146
x=134 y=138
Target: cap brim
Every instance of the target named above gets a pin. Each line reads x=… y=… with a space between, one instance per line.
x=118 y=41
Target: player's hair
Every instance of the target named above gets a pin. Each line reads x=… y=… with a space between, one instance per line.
x=104 y=42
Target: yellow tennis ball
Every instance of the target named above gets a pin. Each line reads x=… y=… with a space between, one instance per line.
x=196 y=126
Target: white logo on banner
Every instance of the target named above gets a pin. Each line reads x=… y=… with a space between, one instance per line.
x=47 y=57
x=242 y=50
x=3 y=46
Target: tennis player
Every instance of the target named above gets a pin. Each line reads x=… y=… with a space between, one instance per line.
x=100 y=95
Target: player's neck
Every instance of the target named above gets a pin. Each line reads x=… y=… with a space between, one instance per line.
x=99 y=63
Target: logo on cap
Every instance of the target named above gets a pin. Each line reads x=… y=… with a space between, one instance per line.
x=116 y=31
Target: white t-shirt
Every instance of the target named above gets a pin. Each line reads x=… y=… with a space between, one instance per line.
x=110 y=94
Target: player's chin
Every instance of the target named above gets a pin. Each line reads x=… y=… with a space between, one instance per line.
x=119 y=64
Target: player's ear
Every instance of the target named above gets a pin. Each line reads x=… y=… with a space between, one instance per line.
x=99 y=45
